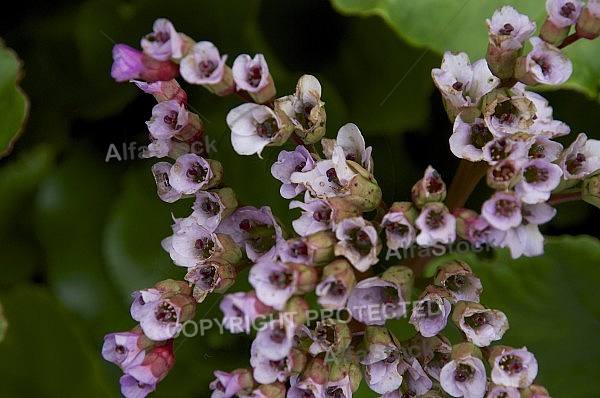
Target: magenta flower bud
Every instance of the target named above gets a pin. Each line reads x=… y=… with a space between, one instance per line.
x=241 y=309
x=252 y=75
x=358 y=241
x=210 y=276
x=171 y=119
x=430 y=313
x=465 y=374
x=156 y=364
x=205 y=66
x=132 y=388
x=430 y=188
x=436 y=224
x=304 y=109
x=398 y=224
x=129 y=64
x=165 y=43
x=458 y=278
x=544 y=64
x=336 y=285
x=163 y=90
x=226 y=385
x=125 y=349
x=480 y=325
x=512 y=367
x=588 y=23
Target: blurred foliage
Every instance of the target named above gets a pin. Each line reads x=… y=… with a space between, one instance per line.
x=80 y=233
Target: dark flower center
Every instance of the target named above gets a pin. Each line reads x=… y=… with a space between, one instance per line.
x=170 y=119
x=534 y=174
x=455 y=282
x=499 y=149
x=206 y=68
x=543 y=64
x=322 y=215
x=279 y=365
x=278 y=334
x=281 y=279
x=209 y=207
x=537 y=151
x=476 y=320
x=567 y=10
x=463 y=373
x=360 y=241
x=298 y=249
x=507 y=29
x=254 y=76
x=300 y=166
x=120 y=350
x=206 y=275
x=435 y=183
x=304 y=117
x=268 y=128
x=506 y=207
x=325 y=334
x=337 y=288
x=435 y=219
x=575 y=163
x=480 y=135
x=204 y=247
x=511 y=364
x=165 y=312
x=160 y=37
x=504 y=172
x=196 y=172
x=334 y=392
x=458 y=86
x=397 y=228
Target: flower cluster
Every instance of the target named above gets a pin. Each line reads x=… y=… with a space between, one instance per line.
x=501 y=131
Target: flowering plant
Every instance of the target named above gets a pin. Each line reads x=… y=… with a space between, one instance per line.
x=326 y=299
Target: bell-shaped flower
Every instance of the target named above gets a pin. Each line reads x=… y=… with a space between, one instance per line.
x=288 y=162
x=376 y=299
x=503 y=148
x=130 y=63
x=458 y=278
x=156 y=365
x=165 y=43
x=538 y=179
x=430 y=188
x=316 y=216
x=544 y=64
x=503 y=210
x=171 y=119
x=241 y=309
x=255 y=230
x=358 y=241
x=430 y=313
x=512 y=367
x=436 y=224
x=435 y=353
x=468 y=139
x=545 y=148
x=125 y=349
x=275 y=338
x=253 y=127
x=210 y=208
x=336 y=285
x=228 y=384
x=588 y=23
x=499 y=391
x=133 y=388
x=398 y=224
x=304 y=109
x=352 y=142
x=252 y=75
x=191 y=173
x=563 y=13
x=465 y=375
x=205 y=66
x=210 y=276
x=165 y=191
x=581 y=158
x=480 y=325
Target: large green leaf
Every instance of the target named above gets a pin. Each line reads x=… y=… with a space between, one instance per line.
x=551 y=302
x=14 y=104
x=459 y=25
x=46 y=352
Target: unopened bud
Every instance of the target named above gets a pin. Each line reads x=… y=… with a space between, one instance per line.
x=465 y=350
x=307 y=277
x=364 y=190
x=588 y=23
x=590 y=190
x=553 y=34
x=430 y=188
x=296 y=308
x=320 y=247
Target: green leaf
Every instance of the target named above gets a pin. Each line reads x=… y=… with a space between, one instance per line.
x=551 y=302
x=459 y=25
x=14 y=104
x=46 y=352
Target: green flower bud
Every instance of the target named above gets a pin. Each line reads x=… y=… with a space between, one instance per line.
x=465 y=350
x=320 y=247
x=217 y=178
x=296 y=307
x=590 y=190
x=363 y=188
x=402 y=277
x=553 y=34
x=588 y=23
x=307 y=277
